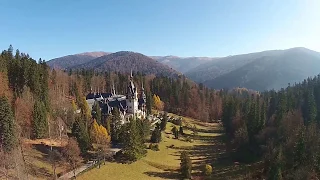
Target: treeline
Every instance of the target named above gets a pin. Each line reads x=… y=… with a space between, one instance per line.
x=279 y=127
x=180 y=95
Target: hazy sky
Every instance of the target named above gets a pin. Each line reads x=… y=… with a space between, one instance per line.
x=53 y=28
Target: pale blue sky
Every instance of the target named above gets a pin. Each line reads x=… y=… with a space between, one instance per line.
x=53 y=28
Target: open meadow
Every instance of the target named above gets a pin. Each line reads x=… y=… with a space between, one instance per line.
x=207 y=147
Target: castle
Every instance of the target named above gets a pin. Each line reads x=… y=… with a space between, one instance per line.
x=130 y=105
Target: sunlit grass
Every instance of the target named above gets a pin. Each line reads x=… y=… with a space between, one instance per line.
x=157 y=164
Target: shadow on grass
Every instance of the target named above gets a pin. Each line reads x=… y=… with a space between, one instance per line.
x=37 y=171
x=212 y=151
x=217 y=131
x=164 y=175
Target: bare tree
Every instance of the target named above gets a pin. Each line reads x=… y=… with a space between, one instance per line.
x=55 y=159
x=6 y=163
x=102 y=153
x=71 y=153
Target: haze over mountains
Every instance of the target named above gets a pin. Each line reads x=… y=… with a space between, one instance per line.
x=181 y=64
x=259 y=71
x=272 y=69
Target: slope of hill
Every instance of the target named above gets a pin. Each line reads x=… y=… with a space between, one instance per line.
x=259 y=71
x=182 y=64
x=74 y=60
x=125 y=61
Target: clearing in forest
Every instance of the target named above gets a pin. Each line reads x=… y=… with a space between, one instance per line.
x=207 y=147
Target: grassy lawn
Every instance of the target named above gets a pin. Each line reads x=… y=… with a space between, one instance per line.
x=207 y=147
x=164 y=164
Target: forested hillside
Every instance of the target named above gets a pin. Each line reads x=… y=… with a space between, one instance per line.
x=124 y=62
x=182 y=64
x=38 y=102
x=68 y=61
x=279 y=129
x=259 y=71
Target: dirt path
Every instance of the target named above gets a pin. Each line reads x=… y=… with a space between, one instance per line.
x=70 y=174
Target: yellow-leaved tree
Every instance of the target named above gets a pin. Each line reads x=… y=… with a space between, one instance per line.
x=74 y=106
x=85 y=110
x=157 y=103
x=99 y=134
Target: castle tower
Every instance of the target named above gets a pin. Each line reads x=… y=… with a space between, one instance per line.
x=132 y=97
x=143 y=101
x=113 y=90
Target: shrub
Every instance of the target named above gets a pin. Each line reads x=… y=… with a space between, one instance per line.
x=156 y=135
x=207 y=171
x=154 y=147
x=188 y=139
x=185 y=165
x=177 y=122
x=175 y=132
x=181 y=130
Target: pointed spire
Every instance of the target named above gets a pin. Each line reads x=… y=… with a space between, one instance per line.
x=113 y=89
x=131 y=75
x=143 y=95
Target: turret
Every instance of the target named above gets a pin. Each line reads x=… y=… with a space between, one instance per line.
x=132 y=96
x=113 y=90
x=143 y=95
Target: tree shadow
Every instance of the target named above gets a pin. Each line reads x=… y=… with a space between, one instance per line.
x=163 y=175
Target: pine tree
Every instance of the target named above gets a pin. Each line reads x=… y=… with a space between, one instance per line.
x=44 y=85
x=300 y=151
x=7 y=126
x=276 y=169
x=115 y=126
x=40 y=124
x=185 y=165
x=108 y=124
x=144 y=128
x=149 y=102
x=81 y=133
x=281 y=109
x=181 y=130
x=134 y=147
x=262 y=116
x=97 y=112
x=175 y=132
x=164 y=121
x=156 y=135
x=310 y=108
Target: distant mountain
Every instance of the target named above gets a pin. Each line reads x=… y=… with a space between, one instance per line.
x=258 y=71
x=74 y=60
x=182 y=64
x=125 y=61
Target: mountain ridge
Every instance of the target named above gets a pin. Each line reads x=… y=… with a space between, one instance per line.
x=125 y=61
x=259 y=71
x=250 y=70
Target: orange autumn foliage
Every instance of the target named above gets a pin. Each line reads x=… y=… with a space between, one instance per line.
x=4 y=88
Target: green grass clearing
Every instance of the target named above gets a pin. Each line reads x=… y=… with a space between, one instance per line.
x=164 y=164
